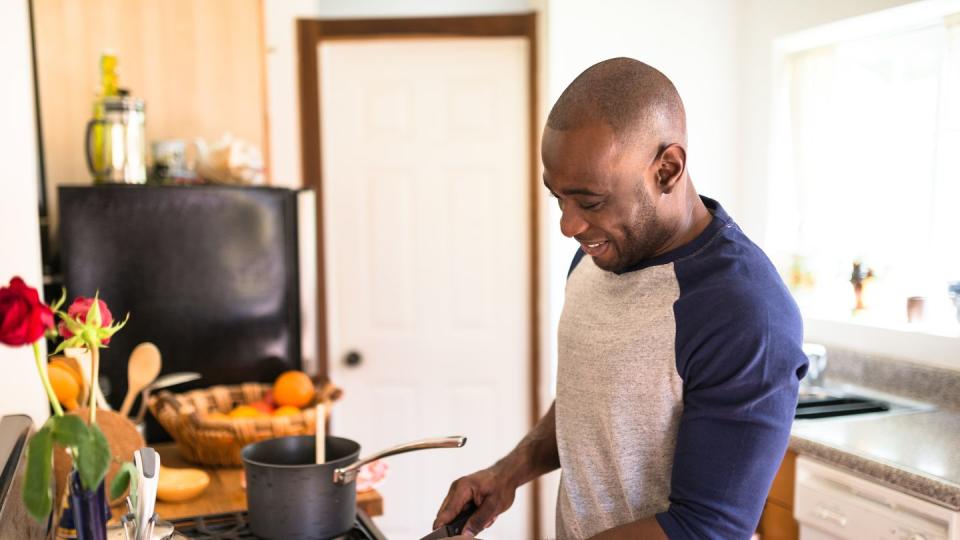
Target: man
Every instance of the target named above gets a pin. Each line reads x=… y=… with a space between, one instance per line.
x=679 y=346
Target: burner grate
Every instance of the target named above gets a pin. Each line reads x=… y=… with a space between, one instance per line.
x=233 y=526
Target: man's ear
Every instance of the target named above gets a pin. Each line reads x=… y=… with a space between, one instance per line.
x=672 y=164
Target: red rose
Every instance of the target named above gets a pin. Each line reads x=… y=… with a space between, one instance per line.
x=23 y=317
x=78 y=311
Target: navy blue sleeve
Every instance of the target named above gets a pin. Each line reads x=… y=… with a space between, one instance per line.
x=738 y=347
x=576 y=260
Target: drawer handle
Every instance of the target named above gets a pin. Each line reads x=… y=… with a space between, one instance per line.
x=829 y=515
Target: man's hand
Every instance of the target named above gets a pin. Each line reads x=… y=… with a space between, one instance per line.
x=494 y=489
x=490 y=489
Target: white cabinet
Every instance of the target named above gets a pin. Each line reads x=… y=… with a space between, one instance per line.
x=832 y=504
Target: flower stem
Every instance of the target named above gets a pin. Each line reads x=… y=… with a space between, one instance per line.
x=94 y=382
x=46 y=381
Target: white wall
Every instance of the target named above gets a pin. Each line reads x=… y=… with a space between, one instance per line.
x=20 y=389
x=763 y=21
x=693 y=42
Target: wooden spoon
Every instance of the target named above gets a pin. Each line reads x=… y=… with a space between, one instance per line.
x=142 y=368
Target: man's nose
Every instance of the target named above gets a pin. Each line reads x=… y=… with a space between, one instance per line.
x=571 y=223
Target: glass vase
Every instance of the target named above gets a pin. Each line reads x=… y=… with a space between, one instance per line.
x=89 y=510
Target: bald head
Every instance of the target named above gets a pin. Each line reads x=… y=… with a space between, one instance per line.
x=631 y=97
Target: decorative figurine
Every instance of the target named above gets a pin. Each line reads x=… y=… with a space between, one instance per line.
x=859 y=278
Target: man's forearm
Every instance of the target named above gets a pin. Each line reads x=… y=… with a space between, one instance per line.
x=644 y=529
x=535 y=455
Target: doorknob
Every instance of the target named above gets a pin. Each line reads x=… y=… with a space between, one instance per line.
x=352 y=359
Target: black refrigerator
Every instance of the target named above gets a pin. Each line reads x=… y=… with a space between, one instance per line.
x=210 y=274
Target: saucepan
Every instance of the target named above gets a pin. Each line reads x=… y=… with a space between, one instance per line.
x=289 y=497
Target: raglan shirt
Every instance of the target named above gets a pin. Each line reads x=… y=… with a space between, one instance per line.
x=676 y=388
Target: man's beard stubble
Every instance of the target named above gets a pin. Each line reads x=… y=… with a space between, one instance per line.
x=640 y=240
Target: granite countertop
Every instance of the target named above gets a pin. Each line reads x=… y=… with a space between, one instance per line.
x=917 y=453
x=913 y=452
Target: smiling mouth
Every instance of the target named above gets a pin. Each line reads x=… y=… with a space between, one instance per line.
x=594 y=248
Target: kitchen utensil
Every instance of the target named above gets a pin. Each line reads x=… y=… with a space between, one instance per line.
x=142 y=369
x=141 y=522
x=163 y=381
x=320 y=437
x=116 y=143
x=127 y=530
x=147 y=462
x=319 y=500
x=456 y=526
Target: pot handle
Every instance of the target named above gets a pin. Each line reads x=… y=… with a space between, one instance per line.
x=345 y=475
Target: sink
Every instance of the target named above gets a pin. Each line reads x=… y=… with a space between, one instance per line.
x=830 y=406
x=817 y=403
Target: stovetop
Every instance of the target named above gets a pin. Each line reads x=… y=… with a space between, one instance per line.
x=233 y=526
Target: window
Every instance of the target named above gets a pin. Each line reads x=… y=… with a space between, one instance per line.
x=866 y=167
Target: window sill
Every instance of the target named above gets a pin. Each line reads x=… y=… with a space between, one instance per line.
x=918 y=344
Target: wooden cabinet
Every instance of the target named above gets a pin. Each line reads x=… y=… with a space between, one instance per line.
x=198 y=65
x=777 y=521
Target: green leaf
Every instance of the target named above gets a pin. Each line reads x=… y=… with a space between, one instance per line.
x=75 y=341
x=90 y=337
x=114 y=328
x=93 y=314
x=72 y=324
x=69 y=431
x=37 y=491
x=93 y=459
x=60 y=301
x=126 y=477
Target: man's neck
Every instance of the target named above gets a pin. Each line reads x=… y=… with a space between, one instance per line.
x=693 y=219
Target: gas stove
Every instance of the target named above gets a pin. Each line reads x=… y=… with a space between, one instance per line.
x=233 y=526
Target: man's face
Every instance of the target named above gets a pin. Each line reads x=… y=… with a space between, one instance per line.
x=606 y=194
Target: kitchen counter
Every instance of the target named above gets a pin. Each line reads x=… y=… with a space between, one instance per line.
x=225 y=492
x=914 y=452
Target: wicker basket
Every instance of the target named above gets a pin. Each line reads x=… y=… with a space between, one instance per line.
x=218 y=441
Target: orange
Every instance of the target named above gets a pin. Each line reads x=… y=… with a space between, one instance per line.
x=245 y=411
x=286 y=410
x=61 y=361
x=293 y=388
x=64 y=386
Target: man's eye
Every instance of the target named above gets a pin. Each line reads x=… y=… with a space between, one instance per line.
x=591 y=206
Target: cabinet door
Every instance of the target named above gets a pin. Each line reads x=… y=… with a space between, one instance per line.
x=781 y=491
x=777 y=523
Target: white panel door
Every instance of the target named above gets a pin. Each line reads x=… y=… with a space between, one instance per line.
x=426 y=233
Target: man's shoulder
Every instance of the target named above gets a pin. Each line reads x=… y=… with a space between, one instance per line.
x=730 y=265
x=732 y=284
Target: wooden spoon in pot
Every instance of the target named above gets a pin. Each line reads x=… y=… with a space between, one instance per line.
x=142 y=369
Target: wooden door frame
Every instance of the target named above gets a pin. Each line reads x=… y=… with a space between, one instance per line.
x=310 y=34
